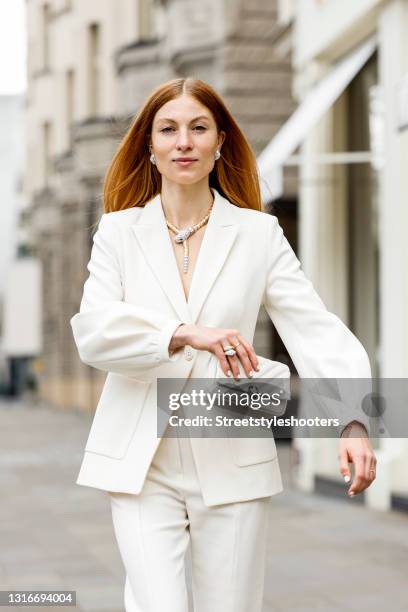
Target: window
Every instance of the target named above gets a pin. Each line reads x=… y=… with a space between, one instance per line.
x=94 y=45
x=46 y=137
x=59 y=7
x=69 y=102
x=45 y=27
x=146 y=19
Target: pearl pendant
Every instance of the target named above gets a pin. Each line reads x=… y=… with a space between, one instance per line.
x=185 y=257
x=185 y=264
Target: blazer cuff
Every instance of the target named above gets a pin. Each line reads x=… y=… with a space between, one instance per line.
x=164 y=341
x=362 y=420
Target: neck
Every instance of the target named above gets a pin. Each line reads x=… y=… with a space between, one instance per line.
x=185 y=205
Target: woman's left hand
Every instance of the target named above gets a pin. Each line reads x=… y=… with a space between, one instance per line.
x=355 y=448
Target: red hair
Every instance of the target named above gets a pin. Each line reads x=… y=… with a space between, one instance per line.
x=132 y=180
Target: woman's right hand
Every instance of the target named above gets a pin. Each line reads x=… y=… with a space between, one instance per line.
x=213 y=339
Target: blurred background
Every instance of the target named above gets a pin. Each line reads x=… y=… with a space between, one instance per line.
x=320 y=88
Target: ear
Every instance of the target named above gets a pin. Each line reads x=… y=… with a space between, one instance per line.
x=221 y=138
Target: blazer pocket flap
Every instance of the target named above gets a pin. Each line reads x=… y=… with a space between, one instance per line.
x=247 y=451
x=117 y=414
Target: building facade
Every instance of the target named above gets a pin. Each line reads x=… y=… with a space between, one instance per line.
x=352 y=203
x=91 y=65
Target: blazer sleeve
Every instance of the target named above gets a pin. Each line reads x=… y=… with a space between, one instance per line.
x=319 y=343
x=111 y=334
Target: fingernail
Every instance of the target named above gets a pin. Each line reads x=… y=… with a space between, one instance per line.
x=347 y=478
x=251 y=374
x=229 y=373
x=351 y=493
x=257 y=368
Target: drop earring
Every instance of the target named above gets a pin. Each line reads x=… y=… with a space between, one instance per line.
x=217 y=155
x=153 y=159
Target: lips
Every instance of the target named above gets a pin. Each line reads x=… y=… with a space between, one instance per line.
x=184 y=162
x=185 y=159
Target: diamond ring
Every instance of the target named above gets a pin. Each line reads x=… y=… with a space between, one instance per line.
x=229 y=351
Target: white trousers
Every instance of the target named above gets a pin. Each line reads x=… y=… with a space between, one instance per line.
x=153 y=530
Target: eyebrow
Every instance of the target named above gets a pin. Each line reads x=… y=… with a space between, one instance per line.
x=200 y=117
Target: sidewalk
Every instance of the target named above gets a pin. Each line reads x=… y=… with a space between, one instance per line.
x=325 y=554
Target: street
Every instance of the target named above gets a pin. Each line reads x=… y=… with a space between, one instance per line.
x=325 y=554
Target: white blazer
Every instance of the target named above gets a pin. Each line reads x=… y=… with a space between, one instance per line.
x=133 y=301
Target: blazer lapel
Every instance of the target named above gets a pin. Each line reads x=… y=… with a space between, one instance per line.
x=154 y=240
x=219 y=237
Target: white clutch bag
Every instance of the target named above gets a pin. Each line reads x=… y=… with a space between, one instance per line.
x=271 y=381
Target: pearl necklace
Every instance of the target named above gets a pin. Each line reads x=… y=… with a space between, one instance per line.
x=184 y=235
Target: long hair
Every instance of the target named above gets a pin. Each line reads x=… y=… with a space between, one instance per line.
x=132 y=180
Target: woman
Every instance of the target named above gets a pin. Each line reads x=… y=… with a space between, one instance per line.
x=160 y=303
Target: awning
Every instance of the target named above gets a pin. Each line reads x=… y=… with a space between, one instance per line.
x=316 y=103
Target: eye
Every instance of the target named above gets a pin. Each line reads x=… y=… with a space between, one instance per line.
x=200 y=127
x=166 y=129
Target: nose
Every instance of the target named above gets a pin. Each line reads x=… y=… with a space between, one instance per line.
x=184 y=139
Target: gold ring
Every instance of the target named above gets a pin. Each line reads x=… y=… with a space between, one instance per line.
x=235 y=345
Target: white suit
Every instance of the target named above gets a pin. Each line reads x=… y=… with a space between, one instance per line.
x=132 y=303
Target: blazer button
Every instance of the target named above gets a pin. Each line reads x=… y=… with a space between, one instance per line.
x=188 y=353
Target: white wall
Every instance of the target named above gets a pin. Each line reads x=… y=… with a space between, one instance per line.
x=327 y=28
x=12 y=151
x=394 y=210
x=22 y=314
